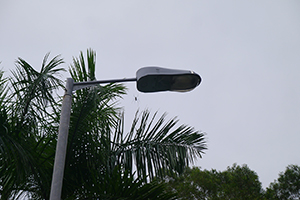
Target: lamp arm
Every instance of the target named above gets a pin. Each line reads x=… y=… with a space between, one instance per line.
x=81 y=85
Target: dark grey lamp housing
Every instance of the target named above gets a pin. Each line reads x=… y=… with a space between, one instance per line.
x=155 y=79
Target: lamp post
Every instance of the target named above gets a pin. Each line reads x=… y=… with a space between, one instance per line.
x=149 y=79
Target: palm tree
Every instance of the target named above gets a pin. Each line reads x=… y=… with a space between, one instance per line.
x=103 y=161
x=98 y=144
x=28 y=123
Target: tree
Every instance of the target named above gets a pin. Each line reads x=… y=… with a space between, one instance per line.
x=237 y=182
x=98 y=145
x=287 y=186
x=194 y=184
x=240 y=182
x=102 y=160
x=27 y=127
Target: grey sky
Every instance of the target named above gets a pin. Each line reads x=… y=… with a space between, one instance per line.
x=247 y=52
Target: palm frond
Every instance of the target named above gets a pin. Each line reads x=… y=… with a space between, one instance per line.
x=26 y=153
x=157 y=147
x=120 y=184
x=94 y=113
x=3 y=88
x=33 y=90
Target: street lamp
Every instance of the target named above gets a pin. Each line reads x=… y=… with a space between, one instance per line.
x=149 y=79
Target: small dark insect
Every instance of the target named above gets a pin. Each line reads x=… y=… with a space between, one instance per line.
x=136 y=99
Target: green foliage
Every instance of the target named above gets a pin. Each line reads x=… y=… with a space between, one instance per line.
x=157 y=147
x=237 y=182
x=26 y=141
x=240 y=182
x=121 y=184
x=93 y=116
x=287 y=186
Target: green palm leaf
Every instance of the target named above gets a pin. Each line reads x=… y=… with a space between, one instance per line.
x=27 y=142
x=157 y=147
x=94 y=113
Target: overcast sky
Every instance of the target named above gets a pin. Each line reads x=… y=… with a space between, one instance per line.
x=247 y=53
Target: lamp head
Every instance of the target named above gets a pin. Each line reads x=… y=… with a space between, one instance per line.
x=156 y=79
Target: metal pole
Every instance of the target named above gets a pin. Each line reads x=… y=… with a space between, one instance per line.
x=61 y=147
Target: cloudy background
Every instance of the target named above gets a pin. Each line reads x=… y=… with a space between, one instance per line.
x=247 y=53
